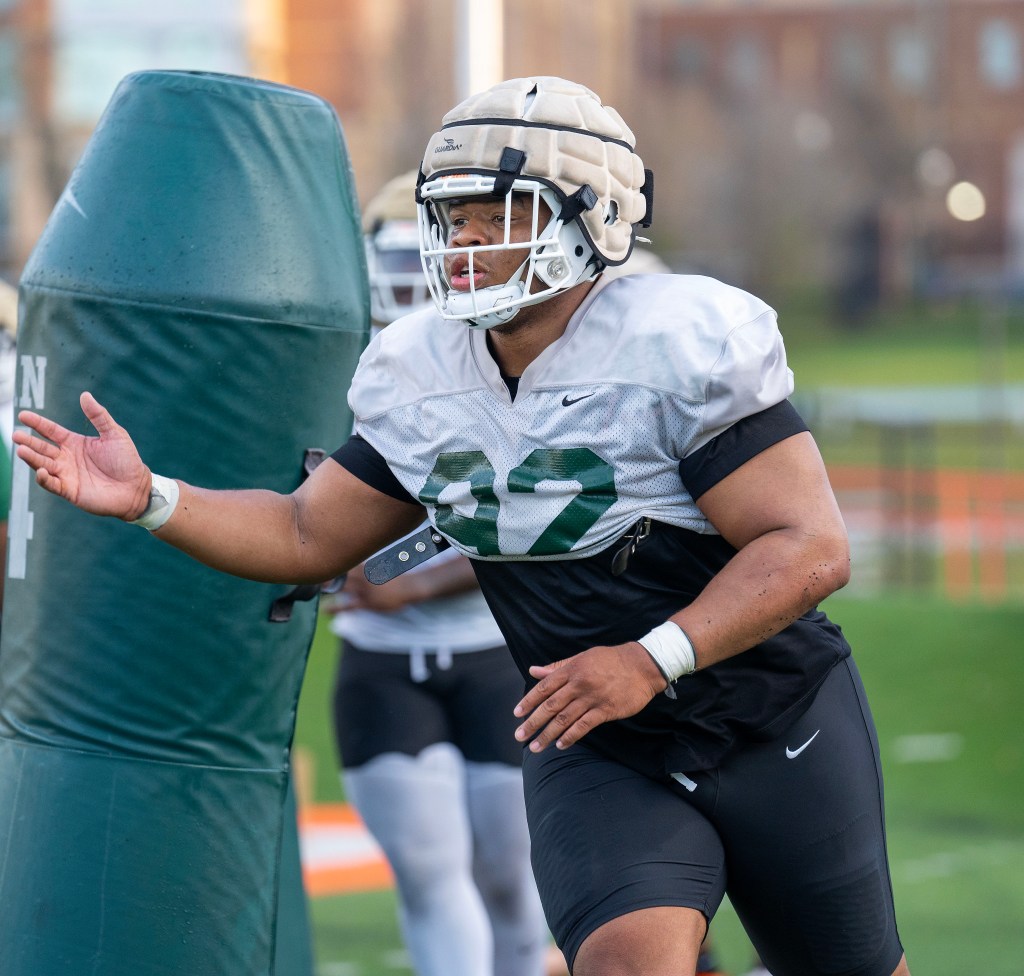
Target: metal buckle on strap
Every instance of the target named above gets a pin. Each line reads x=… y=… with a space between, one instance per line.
x=402 y=556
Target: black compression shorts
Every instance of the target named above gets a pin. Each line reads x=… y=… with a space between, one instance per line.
x=465 y=699
x=792 y=829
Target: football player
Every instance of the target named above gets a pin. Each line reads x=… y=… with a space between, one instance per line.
x=650 y=521
x=423 y=714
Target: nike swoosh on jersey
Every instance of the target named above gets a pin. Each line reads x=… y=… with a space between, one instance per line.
x=567 y=402
x=793 y=753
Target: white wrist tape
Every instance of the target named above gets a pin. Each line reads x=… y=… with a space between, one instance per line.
x=163 y=499
x=672 y=652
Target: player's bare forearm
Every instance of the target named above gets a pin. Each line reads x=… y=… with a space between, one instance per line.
x=252 y=534
x=327 y=526
x=448 y=578
x=767 y=585
x=779 y=512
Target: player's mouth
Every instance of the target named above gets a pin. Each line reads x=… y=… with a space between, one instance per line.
x=462 y=280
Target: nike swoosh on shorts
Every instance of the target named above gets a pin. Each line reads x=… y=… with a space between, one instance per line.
x=793 y=753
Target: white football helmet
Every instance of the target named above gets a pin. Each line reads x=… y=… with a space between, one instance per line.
x=553 y=141
x=391 y=236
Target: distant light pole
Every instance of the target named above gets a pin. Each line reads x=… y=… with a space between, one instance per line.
x=479 y=43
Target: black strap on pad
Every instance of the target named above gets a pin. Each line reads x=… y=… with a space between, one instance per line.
x=402 y=556
x=582 y=200
x=509 y=168
x=648 y=191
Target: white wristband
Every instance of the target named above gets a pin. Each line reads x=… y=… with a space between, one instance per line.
x=163 y=498
x=672 y=652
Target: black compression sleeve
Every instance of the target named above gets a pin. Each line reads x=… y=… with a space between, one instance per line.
x=364 y=461
x=736 y=445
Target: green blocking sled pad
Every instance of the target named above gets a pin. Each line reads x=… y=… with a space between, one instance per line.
x=203 y=275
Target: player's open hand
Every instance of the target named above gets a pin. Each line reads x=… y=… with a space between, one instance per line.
x=103 y=475
x=577 y=694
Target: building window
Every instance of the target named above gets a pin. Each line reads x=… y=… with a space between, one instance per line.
x=999 y=55
x=852 y=61
x=691 y=59
x=910 y=61
x=747 y=64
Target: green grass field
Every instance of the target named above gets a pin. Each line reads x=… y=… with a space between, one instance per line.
x=956 y=820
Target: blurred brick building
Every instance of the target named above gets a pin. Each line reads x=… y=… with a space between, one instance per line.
x=795 y=143
x=816 y=136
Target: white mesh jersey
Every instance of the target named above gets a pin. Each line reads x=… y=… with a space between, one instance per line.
x=650 y=368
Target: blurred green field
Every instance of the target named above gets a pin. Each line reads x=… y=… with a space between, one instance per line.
x=946 y=683
x=953 y=674
x=933 y=346
x=928 y=350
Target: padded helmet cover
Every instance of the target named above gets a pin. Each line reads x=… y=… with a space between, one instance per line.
x=570 y=140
